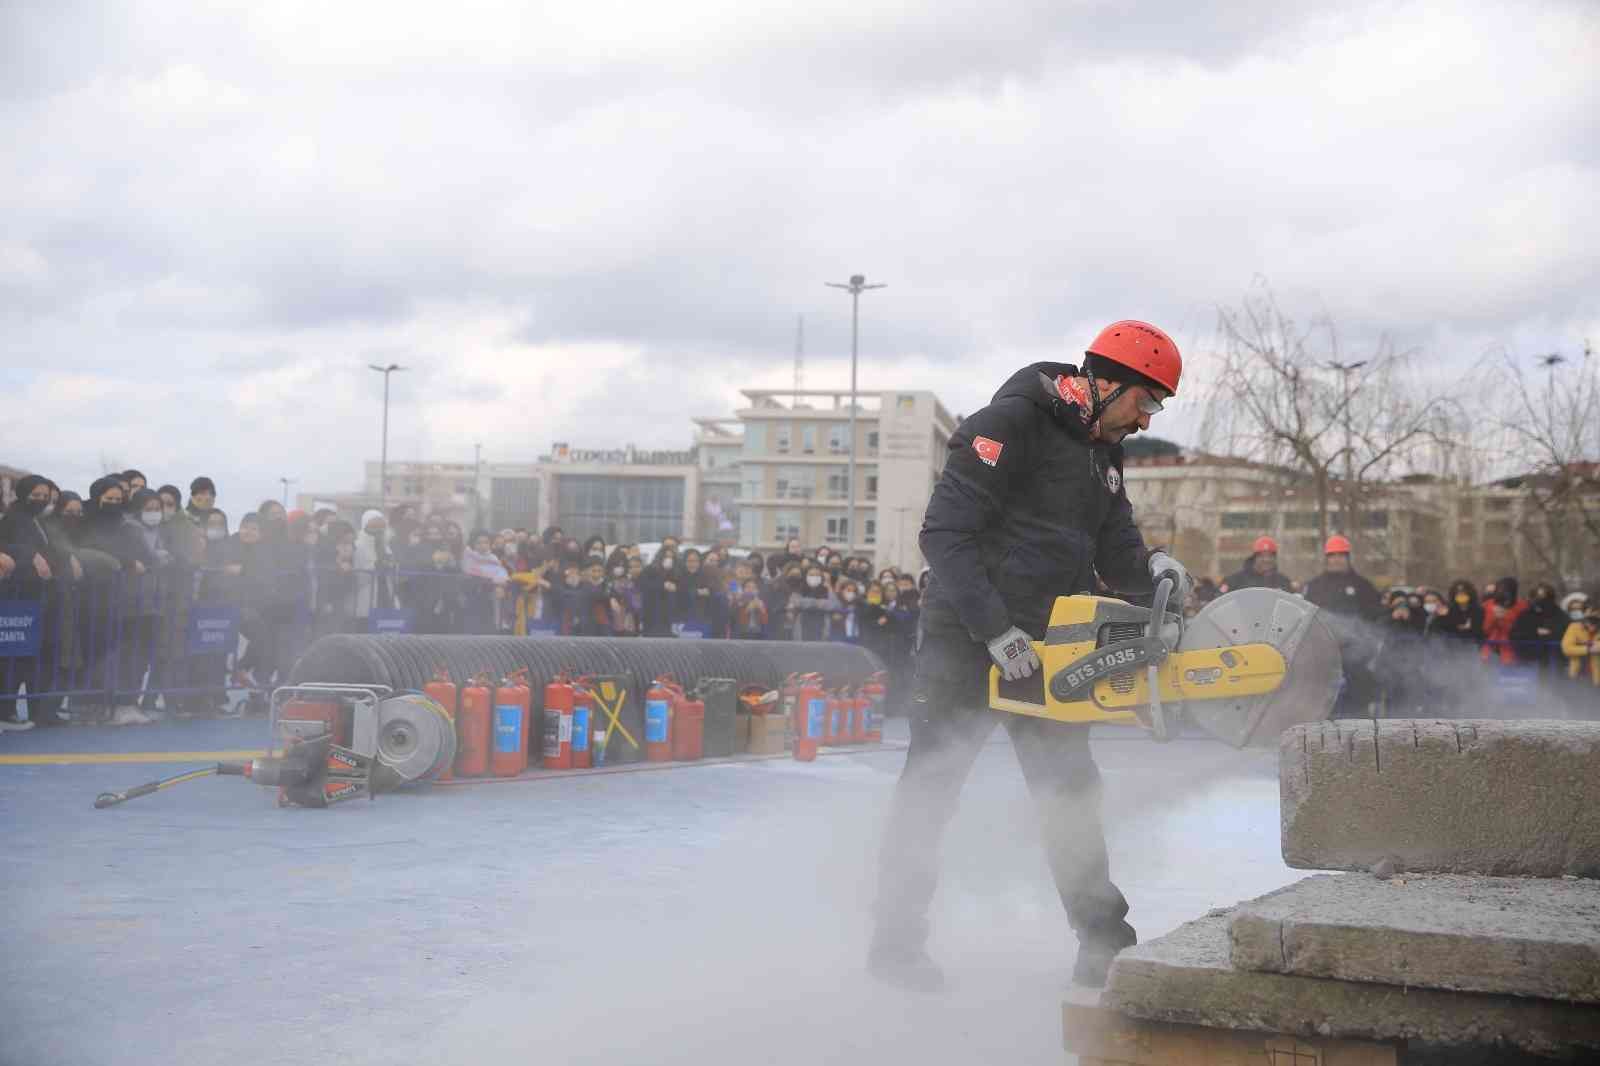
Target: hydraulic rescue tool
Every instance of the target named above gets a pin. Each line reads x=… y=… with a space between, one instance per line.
x=1249 y=665
x=334 y=743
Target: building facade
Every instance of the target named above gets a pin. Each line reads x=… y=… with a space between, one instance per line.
x=794 y=470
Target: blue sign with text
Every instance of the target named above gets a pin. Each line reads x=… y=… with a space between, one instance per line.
x=388 y=620
x=21 y=628
x=213 y=629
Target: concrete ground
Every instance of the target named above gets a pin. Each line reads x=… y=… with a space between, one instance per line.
x=705 y=915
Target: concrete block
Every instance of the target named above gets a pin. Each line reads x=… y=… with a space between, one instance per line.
x=1537 y=937
x=1510 y=798
x=1187 y=977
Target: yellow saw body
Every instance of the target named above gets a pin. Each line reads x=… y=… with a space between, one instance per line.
x=1247 y=666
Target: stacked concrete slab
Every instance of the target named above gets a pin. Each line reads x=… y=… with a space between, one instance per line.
x=1479 y=929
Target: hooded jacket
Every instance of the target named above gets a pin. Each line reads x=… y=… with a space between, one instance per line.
x=1028 y=508
x=1500 y=614
x=24 y=534
x=1247 y=578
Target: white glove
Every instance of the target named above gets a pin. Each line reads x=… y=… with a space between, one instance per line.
x=1162 y=564
x=1012 y=651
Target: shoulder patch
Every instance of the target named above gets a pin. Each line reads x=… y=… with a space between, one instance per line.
x=1113 y=479
x=988 y=450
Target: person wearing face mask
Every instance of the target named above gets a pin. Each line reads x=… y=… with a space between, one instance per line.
x=1537 y=632
x=1500 y=616
x=36 y=566
x=434 y=596
x=847 y=620
x=1463 y=619
x=622 y=593
x=337 y=583
x=375 y=564
x=661 y=581
x=1580 y=643
x=594 y=548
x=133 y=481
x=812 y=607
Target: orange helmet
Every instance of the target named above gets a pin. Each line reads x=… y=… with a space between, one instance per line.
x=1142 y=347
x=1337 y=545
x=1264 y=544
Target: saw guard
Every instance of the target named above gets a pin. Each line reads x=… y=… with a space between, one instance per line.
x=1292 y=626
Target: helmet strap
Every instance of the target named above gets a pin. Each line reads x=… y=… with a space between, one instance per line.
x=1097 y=405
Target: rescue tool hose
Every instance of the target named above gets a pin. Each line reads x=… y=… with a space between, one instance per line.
x=111 y=799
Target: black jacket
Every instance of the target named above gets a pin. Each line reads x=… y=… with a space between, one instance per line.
x=1346 y=593
x=1028 y=508
x=1247 y=578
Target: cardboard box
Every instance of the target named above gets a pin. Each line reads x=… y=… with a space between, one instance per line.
x=741 y=732
x=766 y=734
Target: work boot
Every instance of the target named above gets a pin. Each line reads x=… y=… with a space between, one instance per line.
x=1094 y=956
x=912 y=969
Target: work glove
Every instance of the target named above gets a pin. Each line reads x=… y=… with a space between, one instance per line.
x=1012 y=651
x=1162 y=564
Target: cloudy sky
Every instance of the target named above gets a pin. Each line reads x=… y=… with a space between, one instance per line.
x=588 y=220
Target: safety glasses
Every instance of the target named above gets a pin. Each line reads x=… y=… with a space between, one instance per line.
x=1148 y=404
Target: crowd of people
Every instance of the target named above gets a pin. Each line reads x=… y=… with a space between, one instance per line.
x=119 y=573
x=120 y=570
x=1425 y=649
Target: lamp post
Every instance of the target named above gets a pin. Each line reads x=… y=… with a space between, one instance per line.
x=856 y=286
x=1344 y=370
x=383 y=458
x=287 y=481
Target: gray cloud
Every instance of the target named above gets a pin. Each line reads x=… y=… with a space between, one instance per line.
x=236 y=206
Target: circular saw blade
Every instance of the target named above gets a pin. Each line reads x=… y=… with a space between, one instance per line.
x=1313 y=671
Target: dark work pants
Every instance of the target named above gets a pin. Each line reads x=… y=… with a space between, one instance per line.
x=950 y=721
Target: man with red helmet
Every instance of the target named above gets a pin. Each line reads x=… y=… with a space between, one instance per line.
x=1352 y=604
x=1260 y=571
x=1030 y=506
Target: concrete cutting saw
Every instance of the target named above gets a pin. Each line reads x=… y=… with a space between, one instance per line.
x=1249 y=665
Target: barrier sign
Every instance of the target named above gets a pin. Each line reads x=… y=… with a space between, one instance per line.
x=388 y=620
x=689 y=630
x=213 y=629
x=21 y=628
x=539 y=628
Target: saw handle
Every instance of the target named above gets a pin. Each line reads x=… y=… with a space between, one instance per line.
x=1158 y=620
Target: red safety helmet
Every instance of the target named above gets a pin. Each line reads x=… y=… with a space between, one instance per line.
x=1264 y=544
x=1142 y=347
x=1337 y=545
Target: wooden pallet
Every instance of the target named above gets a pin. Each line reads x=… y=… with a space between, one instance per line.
x=1103 y=1037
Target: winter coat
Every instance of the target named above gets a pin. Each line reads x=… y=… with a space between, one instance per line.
x=1498 y=621
x=1537 y=629
x=1582 y=641
x=1247 y=578
x=1028 y=508
x=812 y=613
x=1347 y=593
x=662 y=606
x=1464 y=623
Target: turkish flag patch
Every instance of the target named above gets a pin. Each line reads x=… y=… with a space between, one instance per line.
x=988 y=450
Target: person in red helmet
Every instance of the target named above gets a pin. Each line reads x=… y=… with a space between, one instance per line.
x=1030 y=506
x=1260 y=571
x=1354 y=607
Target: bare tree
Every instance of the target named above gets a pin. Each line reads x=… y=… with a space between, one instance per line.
x=1286 y=394
x=1549 y=430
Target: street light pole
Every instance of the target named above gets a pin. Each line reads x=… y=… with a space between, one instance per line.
x=287 y=481
x=477 y=494
x=857 y=286
x=383 y=457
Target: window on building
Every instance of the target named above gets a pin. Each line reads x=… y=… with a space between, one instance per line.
x=749 y=525
x=872 y=442
x=808 y=440
x=837 y=530
x=785 y=526
x=755 y=483
x=620 y=509
x=869 y=529
x=780 y=438
x=1246 y=520
x=838 y=440
x=1497 y=505
x=872 y=486
x=794 y=483
x=838 y=485
x=1302 y=520
x=755 y=438
x=514 y=502
x=1376 y=519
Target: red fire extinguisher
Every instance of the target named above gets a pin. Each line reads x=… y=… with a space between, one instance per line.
x=830 y=725
x=876 y=694
x=582 y=719
x=658 y=706
x=558 y=724
x=861 y=707
x=442 y=691
x=811 y=710
x=473 y=725
x=688 y=728
x=510 y=755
